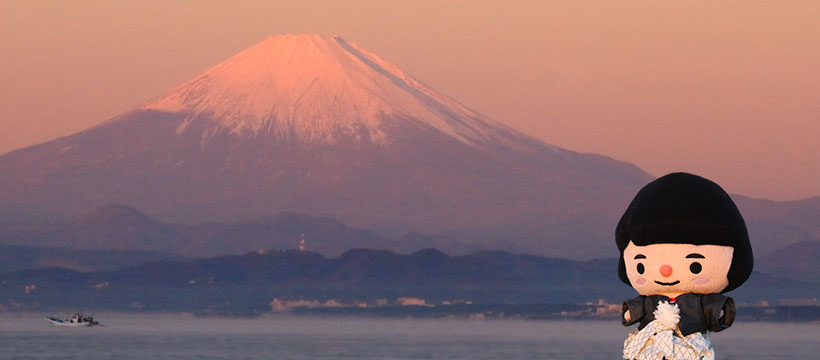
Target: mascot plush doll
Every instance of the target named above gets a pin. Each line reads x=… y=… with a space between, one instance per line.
x=683 y=244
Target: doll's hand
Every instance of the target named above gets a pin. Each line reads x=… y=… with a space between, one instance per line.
x=628 y=317
x=721 y=315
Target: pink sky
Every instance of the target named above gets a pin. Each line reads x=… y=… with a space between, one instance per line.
x=728 y=90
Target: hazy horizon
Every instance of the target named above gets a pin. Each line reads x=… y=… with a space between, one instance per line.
x=725 y=90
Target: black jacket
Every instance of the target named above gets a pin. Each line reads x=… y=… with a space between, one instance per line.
x=698 y=312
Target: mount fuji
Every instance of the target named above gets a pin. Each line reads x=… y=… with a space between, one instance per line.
x=318 y=125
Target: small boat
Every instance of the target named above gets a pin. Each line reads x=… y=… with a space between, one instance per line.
x=75 y=320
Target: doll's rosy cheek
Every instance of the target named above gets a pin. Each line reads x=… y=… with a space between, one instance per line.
x=640 y=281
x=701 y=281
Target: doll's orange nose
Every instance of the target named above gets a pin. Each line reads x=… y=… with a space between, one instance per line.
x=666 y=270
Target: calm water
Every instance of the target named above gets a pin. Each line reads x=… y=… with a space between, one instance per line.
x=127 y=336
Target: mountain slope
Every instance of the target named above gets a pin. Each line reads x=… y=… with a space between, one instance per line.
x=15 y=258
x=797 y=261
x=319 y=126
x=110 y=227
x=317 y=89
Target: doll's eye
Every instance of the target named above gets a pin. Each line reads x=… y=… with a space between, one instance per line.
x=641 y=269
x=695 y=268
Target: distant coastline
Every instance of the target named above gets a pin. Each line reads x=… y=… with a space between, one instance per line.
x=527 y=312
x=552 y=312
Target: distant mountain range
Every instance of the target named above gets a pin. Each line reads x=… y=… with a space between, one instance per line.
x=798 y=261
x=16 y=258
x=118 y=227
x=247 y=283
x=774 y=225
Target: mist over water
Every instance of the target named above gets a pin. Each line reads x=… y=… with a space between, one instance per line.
x=129 y=336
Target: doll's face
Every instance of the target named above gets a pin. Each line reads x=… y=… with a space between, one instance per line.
x=674 y=269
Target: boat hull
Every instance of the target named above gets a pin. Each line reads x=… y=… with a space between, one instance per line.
x=61 y=322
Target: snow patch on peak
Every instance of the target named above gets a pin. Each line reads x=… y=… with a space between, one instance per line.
x=316 y=88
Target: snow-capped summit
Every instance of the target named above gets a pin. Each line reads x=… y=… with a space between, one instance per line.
x=316 y=88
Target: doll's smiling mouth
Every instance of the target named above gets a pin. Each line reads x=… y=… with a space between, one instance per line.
x=668 y=284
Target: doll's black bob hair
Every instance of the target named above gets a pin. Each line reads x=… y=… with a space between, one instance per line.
x=682 y=208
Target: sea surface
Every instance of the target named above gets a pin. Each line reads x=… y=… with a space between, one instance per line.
x=139 y=336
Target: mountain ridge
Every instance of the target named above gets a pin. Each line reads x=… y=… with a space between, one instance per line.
x=122 y=228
